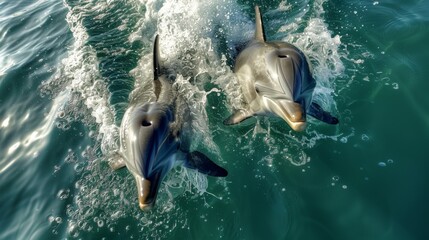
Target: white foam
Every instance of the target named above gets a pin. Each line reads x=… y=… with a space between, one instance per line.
x=187 y=54
x=308 y=31
x=189 y=33
x=185 y=31
x=323 y=51
x=80 y=79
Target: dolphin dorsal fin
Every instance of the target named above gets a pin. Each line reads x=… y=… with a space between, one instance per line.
x=156 y=67
x=259 y=31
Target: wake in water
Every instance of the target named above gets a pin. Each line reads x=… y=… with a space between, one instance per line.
x=199 y=40
x=104 y=199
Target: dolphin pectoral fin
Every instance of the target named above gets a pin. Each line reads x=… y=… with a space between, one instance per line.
x=317 y=112
x=200 y=162
x=116 y=162
x=237 y=117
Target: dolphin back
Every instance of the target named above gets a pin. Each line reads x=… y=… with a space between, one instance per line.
x=156 y=68
x=162 y=84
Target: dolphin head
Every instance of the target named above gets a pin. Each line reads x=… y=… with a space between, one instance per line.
x=276 y=79
x=150 y=149
x=289 y=111
x=291 y=85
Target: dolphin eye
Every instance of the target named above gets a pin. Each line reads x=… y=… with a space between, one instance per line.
x=283 y=56
x=146 y=123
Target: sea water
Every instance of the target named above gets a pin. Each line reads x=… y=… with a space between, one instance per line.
x=68 y=69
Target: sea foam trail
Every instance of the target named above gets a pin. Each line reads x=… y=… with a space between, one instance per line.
x=79 y=78
x=87 y=100
x=185 y=29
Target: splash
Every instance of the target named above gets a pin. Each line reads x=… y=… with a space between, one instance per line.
x=86 y=90
x=103 y=200
x=306 y=29
x=187 y=30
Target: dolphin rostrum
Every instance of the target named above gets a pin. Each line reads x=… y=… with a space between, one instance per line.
x=151 y=141
x=275 y=79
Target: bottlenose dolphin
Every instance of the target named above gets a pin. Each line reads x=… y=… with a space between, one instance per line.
x=276 y=79
x=151 y=141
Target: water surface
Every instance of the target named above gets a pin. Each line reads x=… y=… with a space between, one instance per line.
x=68 y=68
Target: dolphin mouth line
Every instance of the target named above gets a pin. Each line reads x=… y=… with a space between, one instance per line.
x=145 y=197
x=288 y=110
x=145 y=205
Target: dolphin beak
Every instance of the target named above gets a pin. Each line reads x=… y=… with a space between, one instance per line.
x=143 y=191
x=289 y=111
x=147 y=192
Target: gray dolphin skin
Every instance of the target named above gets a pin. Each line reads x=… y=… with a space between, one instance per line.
x=151 y=141
x=275 y=79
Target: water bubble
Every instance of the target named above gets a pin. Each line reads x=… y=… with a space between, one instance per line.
x=58 y=220
x=335 y=178
x=61 y=114
x=344 y=186
x=343 y=140
x=395 y=86
x=390 y=161
x=78 y=167
x=84 y=154
x=63 y=194
x=269 y=160
x=91 y=134
x=59 y=125
x=365 y=137
x=382 y=164
x=69 y=158
x=100 y=223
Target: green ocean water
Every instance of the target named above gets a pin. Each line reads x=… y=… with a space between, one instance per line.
x=67 y=69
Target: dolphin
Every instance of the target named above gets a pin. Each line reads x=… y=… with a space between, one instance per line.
x=151 y=141
x=275 y=79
